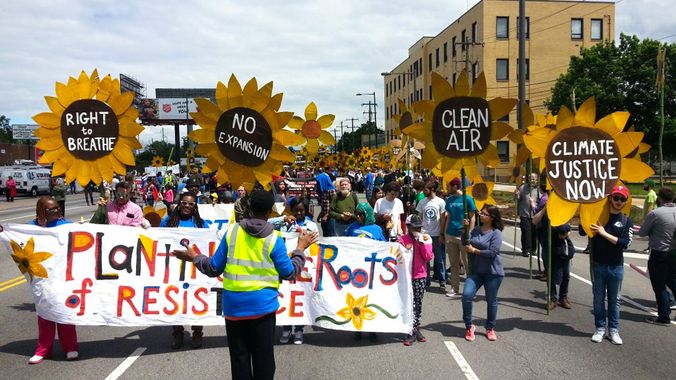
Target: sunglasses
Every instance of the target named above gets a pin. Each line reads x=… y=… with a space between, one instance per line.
x=482 y=213
x=619 y=199
x=187 y=204
x=53 y=210
x=122 y=195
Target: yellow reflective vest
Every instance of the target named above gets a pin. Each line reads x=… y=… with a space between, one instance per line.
x=249 y=266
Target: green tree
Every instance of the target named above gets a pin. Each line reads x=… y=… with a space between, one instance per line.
x=5 y=130
x=351 y=141
x=621 y=78
x=156 y=148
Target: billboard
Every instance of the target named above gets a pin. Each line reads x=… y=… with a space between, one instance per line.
x=24 y=131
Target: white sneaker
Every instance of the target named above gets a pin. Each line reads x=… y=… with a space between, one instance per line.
x=35 y=359
x=72 y=355
x=598 y=335
x=453 y=294
x=614 y=337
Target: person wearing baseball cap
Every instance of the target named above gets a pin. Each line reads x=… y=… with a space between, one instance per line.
x=608 y=244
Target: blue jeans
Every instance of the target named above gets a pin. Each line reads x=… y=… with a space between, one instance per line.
x=607 y=282
x=473 y=283
x=439 y=260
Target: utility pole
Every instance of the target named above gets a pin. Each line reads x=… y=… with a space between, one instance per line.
x=354 y=143
x=465 y=45
x=342 y=141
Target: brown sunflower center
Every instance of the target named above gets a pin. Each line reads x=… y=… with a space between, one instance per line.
x=25 y=263
x=480 y=191
x=356 y=311
x=311 y=129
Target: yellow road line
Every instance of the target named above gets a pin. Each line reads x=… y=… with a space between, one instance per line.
x=12 y=283
x=17 y=278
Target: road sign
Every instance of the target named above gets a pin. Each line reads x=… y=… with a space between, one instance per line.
x=24 y=131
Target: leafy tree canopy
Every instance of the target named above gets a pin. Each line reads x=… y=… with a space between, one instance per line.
x=622 y=77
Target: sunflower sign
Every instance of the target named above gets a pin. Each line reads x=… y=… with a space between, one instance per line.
x=584 y=159
x=242 y=134
x=91 y=131
x=459 y=125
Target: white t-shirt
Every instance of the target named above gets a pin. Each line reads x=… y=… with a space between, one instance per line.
x=430 y=210
x=394 y=208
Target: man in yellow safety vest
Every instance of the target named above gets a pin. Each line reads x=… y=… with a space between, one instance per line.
x=252 y=257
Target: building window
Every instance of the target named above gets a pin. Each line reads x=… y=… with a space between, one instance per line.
x=453 y=51
x=430 y=91
x=502 y=27
x=399 y=82
x=475 y=70
x=415 y=68
x=429 y=62
x=454 y=78
x=445 y=51
x=437 y=57
x=527 y=69
x=501 y=69
x=576 y=29
x=475 y=31
x=503 y=150
x=411 y=97
x=420 y=66
x=527 y=27
x=463 y=38
x=596 y=29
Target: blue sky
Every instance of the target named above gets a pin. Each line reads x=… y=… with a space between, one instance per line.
x=322 y=51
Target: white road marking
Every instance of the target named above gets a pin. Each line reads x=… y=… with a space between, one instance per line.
x=462 y=363
x=126 y=364
x=624 y=299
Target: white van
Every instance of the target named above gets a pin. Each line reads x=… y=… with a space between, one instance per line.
x=31 y=180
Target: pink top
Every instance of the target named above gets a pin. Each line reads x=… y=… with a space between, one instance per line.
x=422 y=254
x=129 y=214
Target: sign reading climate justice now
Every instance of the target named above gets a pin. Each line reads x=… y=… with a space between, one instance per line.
x=126 y=276
x=461 y=127
x=583 y=164
x=89 y=129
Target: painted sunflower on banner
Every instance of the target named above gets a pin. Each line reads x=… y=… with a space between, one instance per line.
x=90 y=132
x=242 y=134
x=584 y=159
x=29 y=261
x=313 y=129
x=157 y=162
x=171 y=163
x=459 y=125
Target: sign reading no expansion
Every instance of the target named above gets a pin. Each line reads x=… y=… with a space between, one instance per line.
x=461 y=127
x=89 y=129
x=583 y=164
x=244 y=136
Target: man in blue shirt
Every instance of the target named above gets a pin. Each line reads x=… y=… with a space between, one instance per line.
x=451 y=231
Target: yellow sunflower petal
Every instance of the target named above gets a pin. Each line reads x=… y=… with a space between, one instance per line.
x=327 y=138
x=65 y=94
x=296 y=123
x=289 y=138
x=202 y=135
x=593 y=213
x=367 y=313
x=49 y=144
x=120 y=103
x=38 y=270
x=250 y=90
x=29 y=247
x=564 y=119
x=586 y=114
x=461 y=84
x=55 y=106
x=311 y=111
x=48 y=120
x=234 y=92
x=19 y=253
x=129 y=128
x=490 y=156
x=283 y=119
x=312 y=146
x=559 y=210
x=281 y=153
x=222 y=96
x=500 y=129
x=43 y=133
x=441 y=89
x=516 y=135
x=628 y=142
x=345 y=312
x=635 y=171
x=614 y=123
x=39 y=257
x=521 y=155
x=208 y=109
x=203 y=120
x=421 y=131
x=500 y=107
x=325 y=121
x=124 y=155
x=479 y=87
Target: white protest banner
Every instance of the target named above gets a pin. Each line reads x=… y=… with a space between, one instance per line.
x=218 y=216
x=88 y=274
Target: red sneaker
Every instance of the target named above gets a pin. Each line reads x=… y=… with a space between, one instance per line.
x=469 y=333
x=490 y=335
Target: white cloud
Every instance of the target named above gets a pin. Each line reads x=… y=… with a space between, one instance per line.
x=322 y=51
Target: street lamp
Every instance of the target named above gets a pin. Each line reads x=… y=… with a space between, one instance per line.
x=375 y=116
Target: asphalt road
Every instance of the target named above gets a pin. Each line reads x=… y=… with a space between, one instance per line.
x=531 y=344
